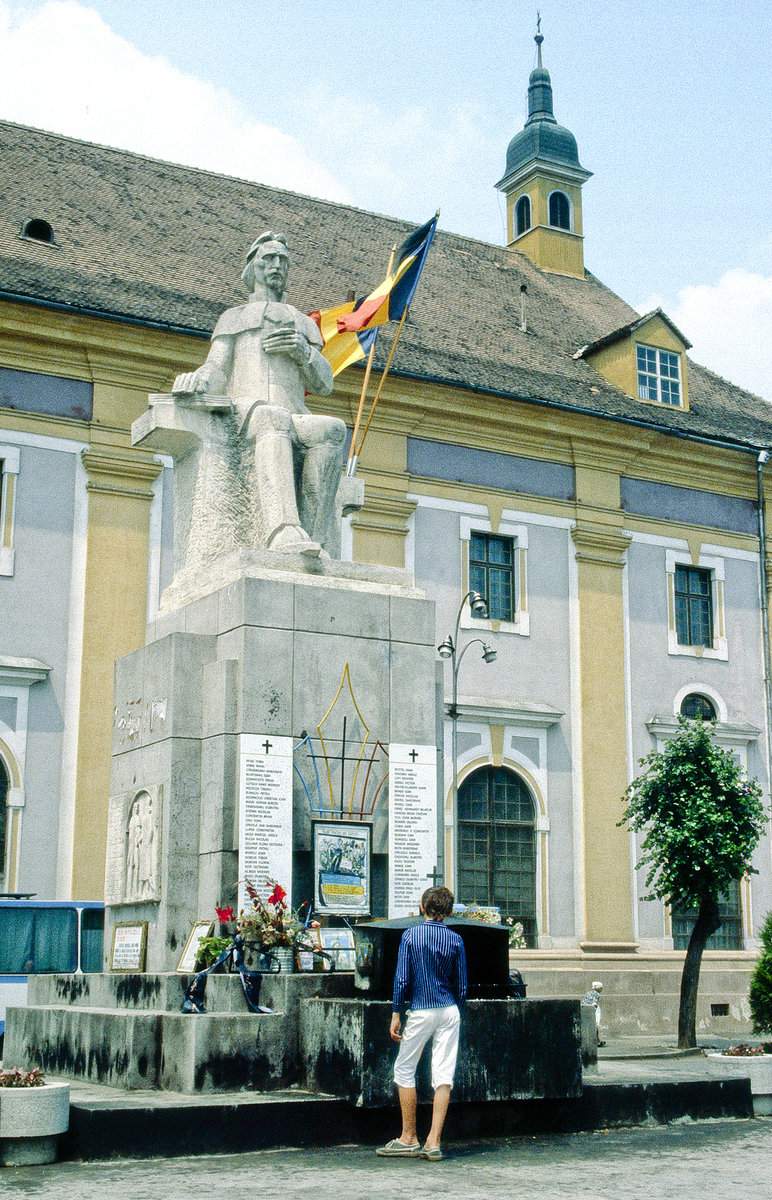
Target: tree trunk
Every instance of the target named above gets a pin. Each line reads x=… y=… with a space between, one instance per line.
x=706 y=924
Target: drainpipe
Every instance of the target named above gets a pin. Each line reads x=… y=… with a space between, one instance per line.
x=760 y=461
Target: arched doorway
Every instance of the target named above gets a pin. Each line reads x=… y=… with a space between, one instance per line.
x=497 y=845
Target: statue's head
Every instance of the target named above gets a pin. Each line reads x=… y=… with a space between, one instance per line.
x=266 y=270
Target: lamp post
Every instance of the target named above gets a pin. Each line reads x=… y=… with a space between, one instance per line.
x=449 y=649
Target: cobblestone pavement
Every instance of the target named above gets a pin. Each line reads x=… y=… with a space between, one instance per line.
x=721 y=1160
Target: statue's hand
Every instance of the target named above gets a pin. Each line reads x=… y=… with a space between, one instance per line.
x=289 y=341
x=192 y=382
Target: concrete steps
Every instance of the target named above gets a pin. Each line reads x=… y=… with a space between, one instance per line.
x=129 y=1032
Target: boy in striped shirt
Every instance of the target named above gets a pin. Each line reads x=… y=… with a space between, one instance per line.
x=431 y=977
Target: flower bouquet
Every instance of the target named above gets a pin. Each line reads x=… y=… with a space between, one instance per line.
x=269 y=923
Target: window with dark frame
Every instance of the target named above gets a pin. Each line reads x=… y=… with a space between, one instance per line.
x=523 y=214
x=492 y=573
x=697 y=707
x=694 y=606
x=728 y=936
x=497 y=845
x=560 y=211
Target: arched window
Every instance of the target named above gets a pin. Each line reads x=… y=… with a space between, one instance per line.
x=523 y=214
x=497 y=845
x=560 y=210
x=38 y=230
x=697 y=707
x=4 y=785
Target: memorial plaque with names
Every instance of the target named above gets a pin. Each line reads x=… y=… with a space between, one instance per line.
x=129 y=944
x=412 y=825
x=265 y=813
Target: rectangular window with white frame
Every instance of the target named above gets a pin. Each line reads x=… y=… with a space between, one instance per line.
x=696 y=624
x=9 y=472
x=659 y=375
x=494 y=564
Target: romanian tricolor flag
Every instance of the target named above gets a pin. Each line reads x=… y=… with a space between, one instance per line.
x=349 y=330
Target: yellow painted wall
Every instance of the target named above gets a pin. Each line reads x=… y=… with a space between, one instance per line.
x=617 y=362
x=551 y=249
x=119 y=494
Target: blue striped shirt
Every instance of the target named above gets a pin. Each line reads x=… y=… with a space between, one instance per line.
x=431 y=968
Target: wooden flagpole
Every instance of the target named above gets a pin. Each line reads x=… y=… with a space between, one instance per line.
x=386 y=369
x=351 y=465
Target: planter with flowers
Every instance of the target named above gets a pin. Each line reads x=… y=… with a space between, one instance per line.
x=751 y=1062
x=270 y=929
x=32 y=1115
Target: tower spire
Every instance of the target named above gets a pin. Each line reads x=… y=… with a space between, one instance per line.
x=543 y=181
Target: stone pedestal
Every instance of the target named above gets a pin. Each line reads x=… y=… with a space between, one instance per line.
x=128 y=1031
x=261 y=656
x=509 y=1050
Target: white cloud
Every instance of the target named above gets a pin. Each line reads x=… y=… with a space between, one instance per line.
x=729 y=324
x=63 y=69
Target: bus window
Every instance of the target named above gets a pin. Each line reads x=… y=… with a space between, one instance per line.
x=35 y=941
x=92 y=931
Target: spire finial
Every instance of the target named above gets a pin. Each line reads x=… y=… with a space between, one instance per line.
x=539 y=38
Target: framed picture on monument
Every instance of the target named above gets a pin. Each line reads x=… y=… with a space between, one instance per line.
x=342 y=867
x=339 y=944
x=305 y=958
x=127 y=952
x=187 y=963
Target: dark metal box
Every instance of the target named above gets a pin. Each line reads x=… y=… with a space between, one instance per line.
x=486 y=947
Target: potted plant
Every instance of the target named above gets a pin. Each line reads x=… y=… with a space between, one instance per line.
x=270 y=929
x=32 y=1115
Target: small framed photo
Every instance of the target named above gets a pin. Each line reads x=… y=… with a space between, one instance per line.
x=305 y=958
x=187 y=963
x=342 y=867
x=339 y=944
x=129 y=947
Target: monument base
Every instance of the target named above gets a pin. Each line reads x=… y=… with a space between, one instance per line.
x=325 y=673
x=127 y=1031
x=509 y=1050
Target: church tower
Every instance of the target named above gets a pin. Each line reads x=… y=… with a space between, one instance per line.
x=543 y=184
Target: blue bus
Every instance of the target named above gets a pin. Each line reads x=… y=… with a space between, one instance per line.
x=46 y=937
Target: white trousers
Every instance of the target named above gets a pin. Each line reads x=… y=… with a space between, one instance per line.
x=442 y=1026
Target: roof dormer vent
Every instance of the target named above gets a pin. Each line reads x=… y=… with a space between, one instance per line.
x=38 y=230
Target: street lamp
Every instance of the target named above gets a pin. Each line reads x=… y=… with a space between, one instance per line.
x=449 y=649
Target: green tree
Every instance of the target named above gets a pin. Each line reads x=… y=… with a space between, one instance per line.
x=701 y=818
x=760 y=993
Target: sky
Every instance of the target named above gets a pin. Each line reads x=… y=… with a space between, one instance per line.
x=401 y=108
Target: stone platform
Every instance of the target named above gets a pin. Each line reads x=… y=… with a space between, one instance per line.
x=128 y=1031
x=509 y=1050
x=108 y=1123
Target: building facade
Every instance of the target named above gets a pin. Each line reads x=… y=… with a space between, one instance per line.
x=538 y=441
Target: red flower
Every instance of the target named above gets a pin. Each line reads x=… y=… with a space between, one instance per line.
x=224 y=914
x=278 y=895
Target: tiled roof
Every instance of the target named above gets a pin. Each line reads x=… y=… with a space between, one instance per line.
x=156 y=243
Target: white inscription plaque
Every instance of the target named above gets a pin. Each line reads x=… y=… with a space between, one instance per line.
x=265 y=813
x=412 y=825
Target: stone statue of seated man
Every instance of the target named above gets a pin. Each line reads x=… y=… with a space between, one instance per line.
x=265 y=356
